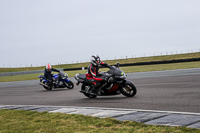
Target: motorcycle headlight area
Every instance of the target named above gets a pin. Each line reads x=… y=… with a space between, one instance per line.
x=123 y=75
x=66 y=75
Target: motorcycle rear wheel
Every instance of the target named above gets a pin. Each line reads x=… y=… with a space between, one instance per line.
x=128 y=89
x=83 y=87
x=47 y=88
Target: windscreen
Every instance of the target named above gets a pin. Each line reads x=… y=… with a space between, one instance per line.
x=115 y=71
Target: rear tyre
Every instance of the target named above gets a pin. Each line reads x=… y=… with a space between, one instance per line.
x=48 y=88
x=128 y=89
x=84 y=89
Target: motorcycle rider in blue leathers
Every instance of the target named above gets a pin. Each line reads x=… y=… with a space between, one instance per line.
x=47 y=73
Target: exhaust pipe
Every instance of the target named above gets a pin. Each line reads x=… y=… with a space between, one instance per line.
x=43 y=84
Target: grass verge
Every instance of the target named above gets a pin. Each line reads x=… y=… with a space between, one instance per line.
x=130 y=69
x=111 y=62
x=32 y=121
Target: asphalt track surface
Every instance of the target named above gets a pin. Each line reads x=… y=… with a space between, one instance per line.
x=173 y=90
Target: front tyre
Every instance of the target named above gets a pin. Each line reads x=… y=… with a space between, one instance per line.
x=85 y=88
x=70 y=85
x=128 y=89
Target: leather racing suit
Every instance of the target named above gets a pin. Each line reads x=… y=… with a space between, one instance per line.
x=92 y=73
x=48 y=75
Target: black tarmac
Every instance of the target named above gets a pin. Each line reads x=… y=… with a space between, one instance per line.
x=158 y=94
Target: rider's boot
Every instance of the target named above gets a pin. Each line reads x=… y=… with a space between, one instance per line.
x=53 y=84
x=57 y=83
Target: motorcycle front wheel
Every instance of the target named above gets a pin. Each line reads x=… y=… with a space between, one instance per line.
x=128 y=89
x=84 y=88
x=69 y=85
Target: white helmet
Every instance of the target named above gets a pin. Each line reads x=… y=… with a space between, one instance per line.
x=95 y=60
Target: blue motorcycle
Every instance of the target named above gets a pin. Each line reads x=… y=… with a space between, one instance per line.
x=59 y=81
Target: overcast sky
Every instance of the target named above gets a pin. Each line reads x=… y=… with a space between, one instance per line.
x=38 y=32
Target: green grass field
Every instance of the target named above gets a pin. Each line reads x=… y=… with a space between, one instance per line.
x=110 y=62
x=129 y=69
x=125 y=69
x=20 y=121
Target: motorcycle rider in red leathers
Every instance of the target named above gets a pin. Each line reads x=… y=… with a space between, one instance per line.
x=92 y=74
